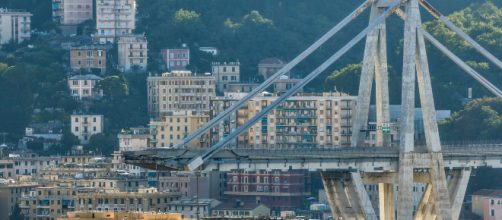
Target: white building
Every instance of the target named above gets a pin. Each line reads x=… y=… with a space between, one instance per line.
x=71 y=12
x=84 y=86
x=225 y=74
x=15 y=26
x=175 y=59
x=114 y=18
x=132 y=52
x=84 y=126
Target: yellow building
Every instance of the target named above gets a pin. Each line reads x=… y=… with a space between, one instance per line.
x=175 y=126
x=83 y=215
x=145 y=199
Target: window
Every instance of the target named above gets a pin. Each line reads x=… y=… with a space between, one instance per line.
x=492 y=212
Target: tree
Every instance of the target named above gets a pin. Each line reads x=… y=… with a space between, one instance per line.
x=114 y=87
x=101 y=143
x=343 y=80
x=36 y=145
x=68 y=141
x=481 y=119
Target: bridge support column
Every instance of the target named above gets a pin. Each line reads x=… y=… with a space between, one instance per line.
x=386 y=201
x=457 y=187
x=374 y=68
x=347 y=196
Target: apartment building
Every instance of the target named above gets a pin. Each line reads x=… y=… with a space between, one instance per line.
x=114 y=18
x=225 y=74
x=203 y=185
x=92 y=58
x=84 y=86
x=145 y=199
x=7 y=169
x=240 y=210
x=306 y=120
x=175 y=59
x=179 y=91
x=174 y=126
x=269 y=66
x=487 y=203
x=15 y=26
x=278 y=190
x=132 y=53
x=84 y=126
x=123 y=215
x=193 y=208
x=48 y=202
x=72 y=12
x=134 y=139
x=219 y=104
x=10 y=193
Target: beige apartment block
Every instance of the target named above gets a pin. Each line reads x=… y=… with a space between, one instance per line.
x=114 y=18
x=48 y=202
x=145 y=199
x=179 y=91
x=10 y=193
x=123 y=215
x=15 y=26
x=305 y=120
x=175 y=126
x=132 y=53
x=84 y=126
x=71 y=12
x=225 y=74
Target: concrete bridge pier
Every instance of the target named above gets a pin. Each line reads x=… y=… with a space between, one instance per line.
x=347 y=196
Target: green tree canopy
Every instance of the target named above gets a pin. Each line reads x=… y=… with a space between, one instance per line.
x=481 y=119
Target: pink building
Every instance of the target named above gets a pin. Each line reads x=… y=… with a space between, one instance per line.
x=487 y=204
x=277 y=189
x=175 y=59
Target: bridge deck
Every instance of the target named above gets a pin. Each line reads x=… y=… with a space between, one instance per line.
x=361 y=158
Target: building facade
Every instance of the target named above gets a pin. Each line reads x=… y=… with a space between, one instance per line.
x=303 y=121
x=132 y=53
x=179 y=91
x=278 y=190
x=487 y=204
x=145 y=199
x=175 y=59
x=175 y=126
x=134 y=139
x=114 y=18
x=89 y=58
x=193 y=208
x=225 y=74
x=10 y=193
x=84 y=126
x=72 y=12
x=269 y=66
x=84 y=86
x=15 y=26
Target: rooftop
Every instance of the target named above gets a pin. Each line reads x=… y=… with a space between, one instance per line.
x=86 y=77
x=236 y=206
x=493 y=193
x=272 y=60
